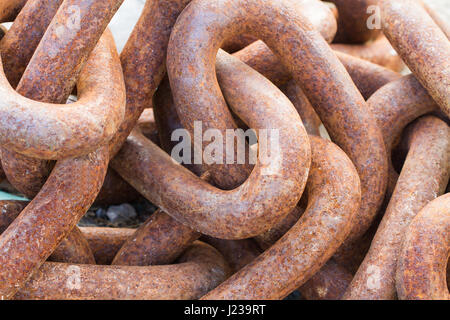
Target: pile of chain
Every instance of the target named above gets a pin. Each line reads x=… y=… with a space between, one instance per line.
x=363 y=215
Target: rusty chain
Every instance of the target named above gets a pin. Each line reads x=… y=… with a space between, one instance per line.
x=363 y=216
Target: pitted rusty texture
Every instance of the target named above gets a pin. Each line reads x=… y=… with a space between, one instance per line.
x=329 y=283
x=261 y=58
x=309 y=117
x=200 y=269
x=69 y=39
x=394 y=106
x=57 y=131
x=73 y=249
x=305 y=218
x=22 y=39
x=333 y=200
x=353 y=19
x=394 y=76
x=159 y=240
x=262 y=199
x=143 y=61
x=319 y=13
x=105 y=242
x=317 y=71
x=237 y=253
x=267 y=239
x=423 y=46
x=9 y=9
x=203 y=98
x=421 y=270
x=115 y=191
x=47 y=220
x=368 y=77
x=69 y=191
x=379 y=52
x=424 y=176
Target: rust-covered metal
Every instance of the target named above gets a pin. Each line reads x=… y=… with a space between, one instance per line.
x=105 y=242
x=115 y=191
x=47 y=220
x=379 y=52
x=345 y=115
x=9 y=210
x=22 y=39
x=329 y=283
x=51 y=131
x=367 y=76
x=248 y=209
x=394 y=106
x=422 y=44
x=237 y=253
x=2 y=32
x=353 y=17
x=266 y=237
x=69 y=191
x=421 y=269
x=73 y=249
x=66 y=44
x=9 y=9
x=143 y=61
x=159 y=240
x=199 y=270
x=424 y=177
x=333 y=200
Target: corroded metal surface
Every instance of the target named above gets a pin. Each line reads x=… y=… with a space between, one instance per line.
x=51 y=131
x=10 y=8
x=49 y=218
x=199 y=269
x=159 y=240
x=379 y=52
x=333 y=200
x=237 y=253
x=69 y=191
x=329 y=283
x=423 y=46
x=115 y=191
x=234 y=215
x=143 y=61
x=424 y=176
x=394 y=106
x=275 y=237
x=66 y=44
x=105 y=242
x=421 y=270
x=22 y=39
x=73 y=249
x=352 y=21
x=345 y=115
